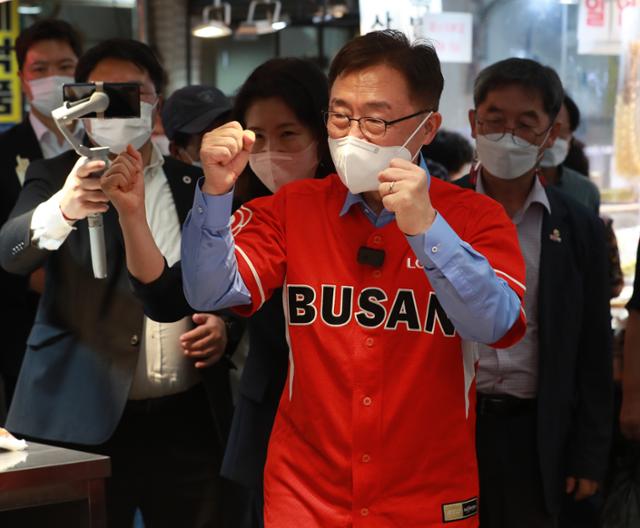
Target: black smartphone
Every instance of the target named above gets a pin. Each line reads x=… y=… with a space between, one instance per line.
x=124 y=98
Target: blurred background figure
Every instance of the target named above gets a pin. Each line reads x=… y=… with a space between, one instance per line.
x=47 y=53
x=630 y=412
x=554 y=161
x=188 y=114
x=576 y=159
x=566 y=167
x=451 y=151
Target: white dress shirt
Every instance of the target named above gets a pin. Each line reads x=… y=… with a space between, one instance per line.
x=162 y=366
x=514 y=370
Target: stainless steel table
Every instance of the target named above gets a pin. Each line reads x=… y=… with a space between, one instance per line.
x=53 y=484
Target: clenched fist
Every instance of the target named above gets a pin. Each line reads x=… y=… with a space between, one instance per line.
x=123 y=182
x=405 y=191
x=224 y=154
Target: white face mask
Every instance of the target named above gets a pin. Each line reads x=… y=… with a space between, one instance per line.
x=503 y=158
x=275 y=169
x=359 y=162
x=46 y=93
x=118 y=133
x=555 y=155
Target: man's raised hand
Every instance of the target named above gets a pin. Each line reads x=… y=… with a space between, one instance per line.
x=123 y=182
x=224 y=154
x=404 y=189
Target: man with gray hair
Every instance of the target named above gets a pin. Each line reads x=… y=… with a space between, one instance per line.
x=545 y=404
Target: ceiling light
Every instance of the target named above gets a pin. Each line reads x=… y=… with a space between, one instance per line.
x=251 y=27
x=29 y=9
x=217 y=27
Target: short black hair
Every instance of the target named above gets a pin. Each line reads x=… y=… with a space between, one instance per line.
x=299 y=83
x=529 y=74
x=450 y=150
x=417 y=62
x=573 y=111
x=128 y=50
x=47 y=29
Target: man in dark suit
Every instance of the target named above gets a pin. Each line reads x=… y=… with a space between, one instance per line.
x=97 y=374
x=630 y=411
x=545 y=404
x=47 y=53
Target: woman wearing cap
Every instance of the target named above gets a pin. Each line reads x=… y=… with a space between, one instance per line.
x=282 y=102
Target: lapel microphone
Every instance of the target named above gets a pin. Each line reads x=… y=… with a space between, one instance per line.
x=370 y=256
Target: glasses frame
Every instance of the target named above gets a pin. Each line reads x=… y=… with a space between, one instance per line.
x=327 y=114
x=514 y=136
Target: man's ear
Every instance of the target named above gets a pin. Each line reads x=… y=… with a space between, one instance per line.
x=472 y=122
x=431 y=126
x=553 y=135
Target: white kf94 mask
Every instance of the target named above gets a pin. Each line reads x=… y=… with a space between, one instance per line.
x=359 y=162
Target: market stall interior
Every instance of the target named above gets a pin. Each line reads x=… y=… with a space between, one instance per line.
x=215 y=45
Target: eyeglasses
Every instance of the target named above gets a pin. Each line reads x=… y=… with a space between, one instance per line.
x=371 y=127
x=522 y=135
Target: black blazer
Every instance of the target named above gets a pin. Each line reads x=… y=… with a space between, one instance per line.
x=83 y=349
x=575 y=381
x=263 y=378
x=18 y=302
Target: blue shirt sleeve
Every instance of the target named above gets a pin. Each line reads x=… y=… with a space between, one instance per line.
x=210 y=275
x=481 y=305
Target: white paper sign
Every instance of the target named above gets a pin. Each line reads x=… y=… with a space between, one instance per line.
x=395 y=14
x=451 y=34
x=600 y=26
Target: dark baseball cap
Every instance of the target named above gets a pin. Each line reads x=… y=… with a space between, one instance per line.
x=193 y=110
